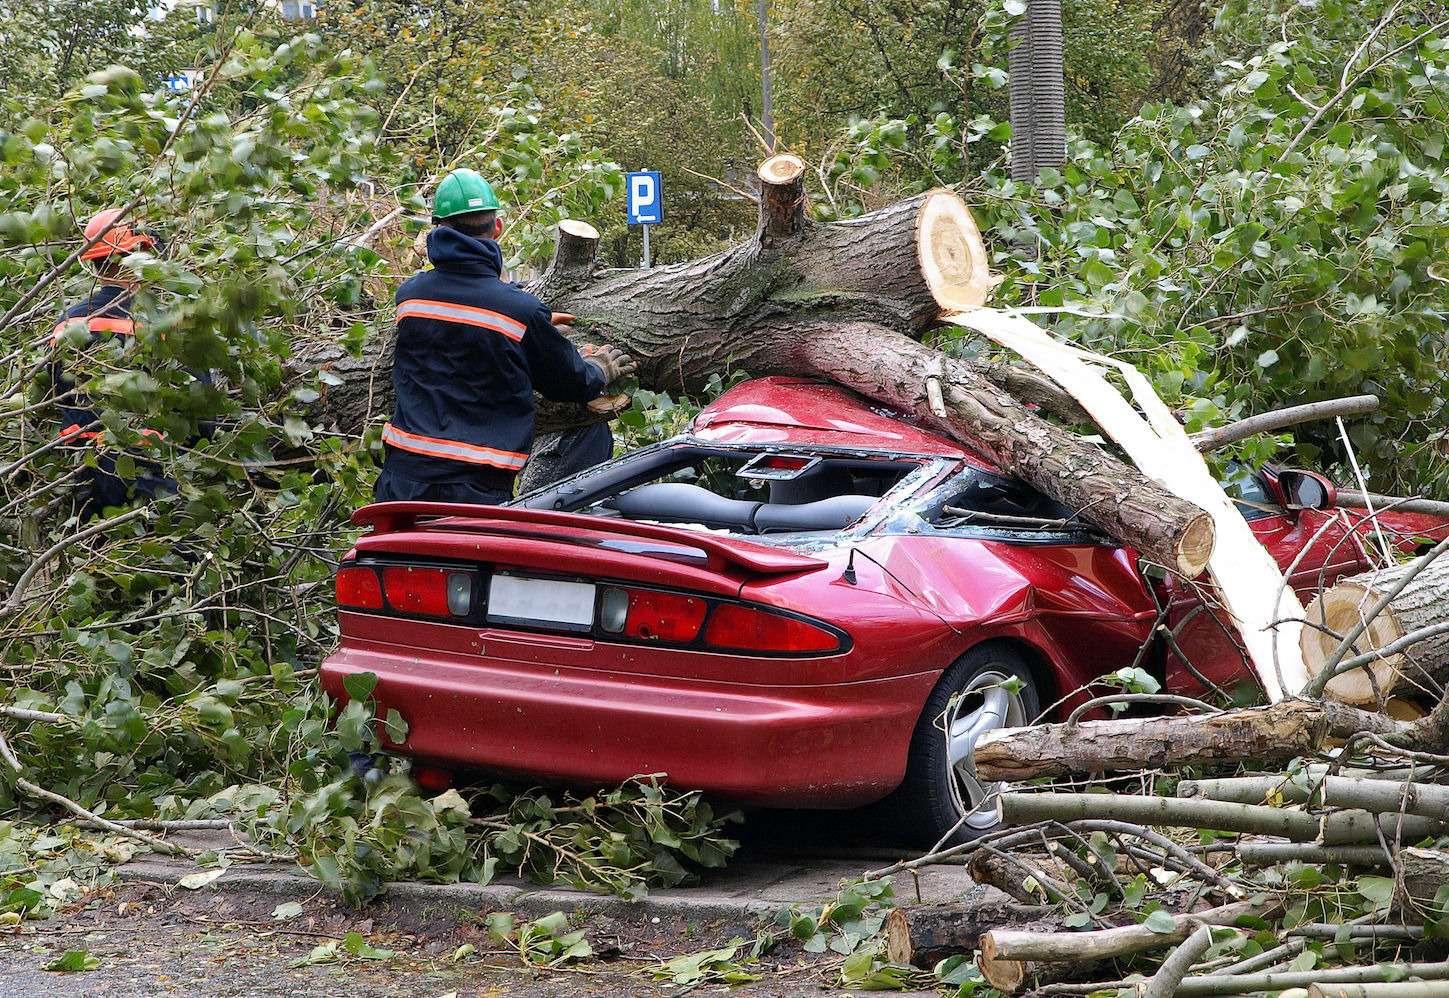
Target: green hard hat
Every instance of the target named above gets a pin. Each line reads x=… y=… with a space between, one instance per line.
x=463 y=191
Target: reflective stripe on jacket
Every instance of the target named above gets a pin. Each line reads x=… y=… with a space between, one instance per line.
x=471 y=351
x=104 y=312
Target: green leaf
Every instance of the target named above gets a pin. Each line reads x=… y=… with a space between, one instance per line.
x=287 y=910
x=1097 y=274
x=1378 y=891
x=198 y=880
x=394 y=727
x=323 y=953
x=359 y=685
x=1133 y=679
x=355 y=944
x=1160 y=921
x=22 y=899
x=73 y=961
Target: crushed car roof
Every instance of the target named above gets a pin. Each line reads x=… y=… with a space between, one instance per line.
x=809 y=413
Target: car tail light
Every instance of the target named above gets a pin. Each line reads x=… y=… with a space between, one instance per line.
x=430 y=592
x=358 y=588
x=651 y=615
x=746 y=628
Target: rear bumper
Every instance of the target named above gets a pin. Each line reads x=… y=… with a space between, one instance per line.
x=802 y=746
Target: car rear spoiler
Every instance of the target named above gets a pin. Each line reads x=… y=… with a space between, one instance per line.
x=757 y=559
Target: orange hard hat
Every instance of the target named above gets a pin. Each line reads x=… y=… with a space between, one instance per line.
x=119 y=238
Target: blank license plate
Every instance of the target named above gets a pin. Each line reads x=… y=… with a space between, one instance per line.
x=513 y=599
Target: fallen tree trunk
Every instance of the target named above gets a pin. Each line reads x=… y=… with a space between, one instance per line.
x=1425 y=799
x=840 y=302
x=1241 y=984
x=1273 y=853
x=1386 y=989
x=923 y=936
x=1026 y=807
x=1339 y=828
x=1250 y=584
x=1010 y=957
x=1422 y=605
x=1262 y=735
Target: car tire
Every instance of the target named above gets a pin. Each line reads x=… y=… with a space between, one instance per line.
x=989 y=687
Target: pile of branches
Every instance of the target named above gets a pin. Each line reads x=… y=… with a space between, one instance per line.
x=1316 y=876
x=1300 y=848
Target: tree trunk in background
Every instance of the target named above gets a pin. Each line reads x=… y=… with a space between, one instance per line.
x=1037 y=91
x=841 y=302
x=767 y=99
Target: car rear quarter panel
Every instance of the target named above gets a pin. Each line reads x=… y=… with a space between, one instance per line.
x=919 y=602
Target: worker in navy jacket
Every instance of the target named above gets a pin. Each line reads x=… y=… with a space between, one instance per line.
x=471 y=351
x=105 y=312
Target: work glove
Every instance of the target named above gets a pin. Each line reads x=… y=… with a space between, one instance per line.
x=562 y=318
x=615 y=363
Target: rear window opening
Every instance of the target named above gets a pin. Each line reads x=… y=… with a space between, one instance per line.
x=983 y=499
x=747 y=492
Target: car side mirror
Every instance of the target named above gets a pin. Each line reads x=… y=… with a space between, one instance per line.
x=1307 y=490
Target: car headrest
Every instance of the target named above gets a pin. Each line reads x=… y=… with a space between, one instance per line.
x=681 y=502
x=834 y=513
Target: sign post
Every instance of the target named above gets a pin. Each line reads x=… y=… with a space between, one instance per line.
x=182 y=80
x=645 y=204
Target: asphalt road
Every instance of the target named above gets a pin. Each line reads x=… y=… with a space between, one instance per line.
x=150 y=937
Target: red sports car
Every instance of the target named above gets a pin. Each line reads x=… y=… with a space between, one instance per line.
x=804 y=601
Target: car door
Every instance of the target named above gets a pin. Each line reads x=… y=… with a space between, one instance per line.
x=1204 y=649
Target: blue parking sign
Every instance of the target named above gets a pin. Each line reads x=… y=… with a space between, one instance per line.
x=645 y=203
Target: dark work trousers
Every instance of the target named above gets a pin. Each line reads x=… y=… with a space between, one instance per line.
x=568 y=453
x=393 y=487
x=105 y=488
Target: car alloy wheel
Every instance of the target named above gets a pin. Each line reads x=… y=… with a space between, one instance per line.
x=989 y=700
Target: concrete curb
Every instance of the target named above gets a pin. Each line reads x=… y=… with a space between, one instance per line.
x=428 y=901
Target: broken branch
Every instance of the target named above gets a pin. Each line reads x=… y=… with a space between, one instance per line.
x=1280 y=419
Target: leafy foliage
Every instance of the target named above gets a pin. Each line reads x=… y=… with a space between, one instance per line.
x=1277 y=236
x=1273 y=243
x=370 y=823
x=544 y=942
x=625 y=840
x=176 y=647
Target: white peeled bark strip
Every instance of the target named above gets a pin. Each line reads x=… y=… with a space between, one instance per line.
x=1249 y=581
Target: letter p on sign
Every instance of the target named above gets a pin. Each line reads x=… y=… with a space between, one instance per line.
x=645 y=198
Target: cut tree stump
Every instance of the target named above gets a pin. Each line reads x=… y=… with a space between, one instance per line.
x=1260 y=735
x=1002 y=871
x=923 y=936
x=843 y=302
x=1422 y=668
x=1424 y=873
